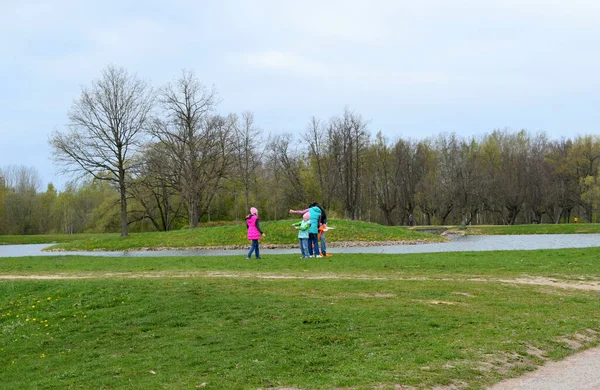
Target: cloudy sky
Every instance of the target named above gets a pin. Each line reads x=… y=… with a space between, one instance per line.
x=414 y=69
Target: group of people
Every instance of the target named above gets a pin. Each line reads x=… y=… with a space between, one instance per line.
x=314 y=221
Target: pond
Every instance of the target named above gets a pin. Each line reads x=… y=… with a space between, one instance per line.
x=456 y=244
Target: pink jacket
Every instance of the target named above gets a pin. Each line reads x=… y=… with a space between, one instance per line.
x=253 y=231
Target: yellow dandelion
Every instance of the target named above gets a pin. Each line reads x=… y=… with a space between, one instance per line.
x=49 y=298
x=85 y=316
x=42 y=356
x=27 y=320
x=33 y=306
x=46 y=325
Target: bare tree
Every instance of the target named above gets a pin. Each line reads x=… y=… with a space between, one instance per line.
x=248 y=156
x=21 y=178
x=154 y=191
x=319 y=145
x=460 y=174
x=411 y=161
x=198 y=142
x=504 y=159
x=384 y=177
x=286 y=164
x=538 y=178
x=564 y=185
x=105 y=130
x=19 y=200
x=349 y=140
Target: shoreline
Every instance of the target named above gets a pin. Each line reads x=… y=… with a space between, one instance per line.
x=334 y=244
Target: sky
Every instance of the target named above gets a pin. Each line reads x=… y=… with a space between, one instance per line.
x=412 y=69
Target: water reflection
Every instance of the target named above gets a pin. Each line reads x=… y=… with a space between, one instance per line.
x=457 y=244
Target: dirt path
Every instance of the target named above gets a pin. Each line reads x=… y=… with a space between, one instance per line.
x=539 y=281
x=580 y=371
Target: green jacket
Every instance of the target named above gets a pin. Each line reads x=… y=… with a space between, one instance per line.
x=303 y=227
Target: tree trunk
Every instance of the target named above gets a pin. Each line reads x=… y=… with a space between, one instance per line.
x=427 y=220
x=123 y=209
x=193 y=212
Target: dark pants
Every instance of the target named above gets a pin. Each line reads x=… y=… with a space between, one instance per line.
x=313 y=240
x=253 y=248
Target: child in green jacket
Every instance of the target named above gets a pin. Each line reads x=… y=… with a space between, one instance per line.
x=302 y=228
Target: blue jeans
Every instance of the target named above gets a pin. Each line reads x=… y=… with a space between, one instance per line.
x=313 y=240
x=253 y=248
x=304 y=247
x=323 y=242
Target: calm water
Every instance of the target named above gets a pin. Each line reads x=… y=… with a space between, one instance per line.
x=457 y=244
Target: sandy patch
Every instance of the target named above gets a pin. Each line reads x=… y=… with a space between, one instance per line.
x=537 y=281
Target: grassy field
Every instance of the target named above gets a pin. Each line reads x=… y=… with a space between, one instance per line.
x=348 y=321
x=278 y=233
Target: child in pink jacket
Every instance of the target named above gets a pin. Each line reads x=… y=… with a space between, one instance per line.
x=254 y=232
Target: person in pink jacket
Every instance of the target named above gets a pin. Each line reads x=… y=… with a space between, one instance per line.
x=254 y=232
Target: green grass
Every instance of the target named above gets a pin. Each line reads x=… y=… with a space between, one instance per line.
x=568 y=228
x=44 y=238
x=348 y=321
x=278 y=233
x=564 y=264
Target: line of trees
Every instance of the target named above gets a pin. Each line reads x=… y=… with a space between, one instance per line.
x=163 y=159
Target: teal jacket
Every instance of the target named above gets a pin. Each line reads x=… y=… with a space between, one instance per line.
x=303 y=227
x=315 y=214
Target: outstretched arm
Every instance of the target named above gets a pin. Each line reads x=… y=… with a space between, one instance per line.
x=298 y=211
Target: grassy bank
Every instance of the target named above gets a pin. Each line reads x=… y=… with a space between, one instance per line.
x=360 y=321
x=565 y=228
x=44 y=238
x=278 y=233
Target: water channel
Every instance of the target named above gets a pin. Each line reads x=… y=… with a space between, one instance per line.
x=456 y=244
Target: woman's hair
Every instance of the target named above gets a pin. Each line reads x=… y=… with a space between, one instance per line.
x=323 y=217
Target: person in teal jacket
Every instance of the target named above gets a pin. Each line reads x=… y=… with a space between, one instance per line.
x=313 y=232
x=302 y=228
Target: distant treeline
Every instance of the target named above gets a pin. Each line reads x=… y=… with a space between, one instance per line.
x=499 y=178
x=163 y=158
